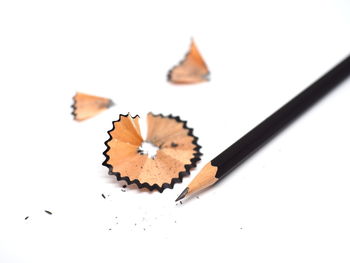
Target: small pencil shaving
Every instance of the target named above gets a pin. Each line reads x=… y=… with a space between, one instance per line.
x=86 y=106
x=192 y=69
x=178 y=151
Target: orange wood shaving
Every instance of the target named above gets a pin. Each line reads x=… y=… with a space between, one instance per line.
x=178 y=151
x=86 y=106
x=192 y=69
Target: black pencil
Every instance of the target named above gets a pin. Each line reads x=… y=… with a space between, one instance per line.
x=234 y=155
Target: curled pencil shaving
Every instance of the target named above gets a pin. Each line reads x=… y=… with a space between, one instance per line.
x=192 y=69
x=86 y=106
x=178 y=151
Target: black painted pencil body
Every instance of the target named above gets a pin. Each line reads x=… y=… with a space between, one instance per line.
x=237 y=152
x=257 y=137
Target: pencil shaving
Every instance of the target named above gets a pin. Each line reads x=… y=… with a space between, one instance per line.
x=86 y=106
x=178 y=151
x=192 y=69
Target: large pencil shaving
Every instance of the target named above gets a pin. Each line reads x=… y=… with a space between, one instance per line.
x=177 y=153
x=86 y=106
x=192 y=69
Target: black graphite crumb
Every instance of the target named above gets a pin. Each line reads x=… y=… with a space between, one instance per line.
x=135 y=224
x=26 y=217
x=124 y=186
x=123 y=190
x=104 y=197
x=174 y=145
x=110 y=229
x=48 y=212
x=180 y=202
x=144 y=229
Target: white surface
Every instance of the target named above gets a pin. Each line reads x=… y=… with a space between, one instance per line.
x=288 y=203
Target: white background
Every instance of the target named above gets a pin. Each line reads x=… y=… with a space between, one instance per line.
x=288 y=203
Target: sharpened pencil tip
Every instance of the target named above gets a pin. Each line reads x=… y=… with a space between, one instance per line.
x=183 y=194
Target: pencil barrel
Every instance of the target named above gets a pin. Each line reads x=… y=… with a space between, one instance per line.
x=267 y=129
